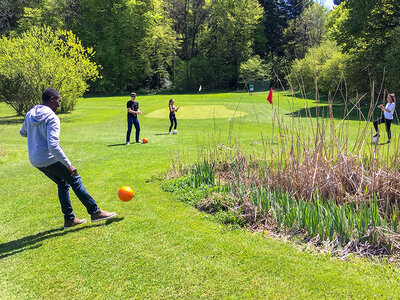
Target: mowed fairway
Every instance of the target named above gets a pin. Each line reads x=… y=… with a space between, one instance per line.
x=157 y=247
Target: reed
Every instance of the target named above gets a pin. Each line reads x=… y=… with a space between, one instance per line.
x=320 y=184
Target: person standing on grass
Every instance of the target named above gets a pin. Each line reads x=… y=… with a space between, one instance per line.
x=172 y=116
x=387 y=117
x=133 y=110
x=42 y=128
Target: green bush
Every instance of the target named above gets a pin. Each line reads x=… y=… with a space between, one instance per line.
x=255 y=68
x=42 y=58
x=324 y=63
x=189 y=75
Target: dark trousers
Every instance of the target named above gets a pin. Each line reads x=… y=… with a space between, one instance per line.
x=387 y=125
x=173 y=121
x=133 y=121
x=62 y=177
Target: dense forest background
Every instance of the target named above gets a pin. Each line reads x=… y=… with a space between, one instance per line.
x=181 y=44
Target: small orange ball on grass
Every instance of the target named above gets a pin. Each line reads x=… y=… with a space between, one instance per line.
x=145 y=140
x=125 y=193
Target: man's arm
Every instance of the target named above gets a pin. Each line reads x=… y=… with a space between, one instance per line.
x=22 y=131
x=53 y=141
x=131 y=111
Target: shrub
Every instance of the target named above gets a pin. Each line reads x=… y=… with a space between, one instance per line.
x=324 y=63
x=255 y=68
x=42 y=58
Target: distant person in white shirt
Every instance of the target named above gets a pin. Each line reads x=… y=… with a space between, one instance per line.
x=387 y=117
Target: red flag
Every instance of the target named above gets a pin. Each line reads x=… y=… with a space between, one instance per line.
x=269 y=99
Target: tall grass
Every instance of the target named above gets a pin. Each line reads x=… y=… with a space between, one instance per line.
x=319 y=219
x=318 y=181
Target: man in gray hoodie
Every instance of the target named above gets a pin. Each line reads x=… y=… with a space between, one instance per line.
x=42 y=128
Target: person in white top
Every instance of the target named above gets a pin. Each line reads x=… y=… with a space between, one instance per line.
x=387 y=117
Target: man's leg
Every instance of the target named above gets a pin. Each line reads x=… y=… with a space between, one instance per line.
x=63 y=194
x=137 y=127
x=128 y=132
x=60 y=171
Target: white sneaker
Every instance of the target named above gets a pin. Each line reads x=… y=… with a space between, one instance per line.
x=127 y=143
x=140 y=142
x=169 y=132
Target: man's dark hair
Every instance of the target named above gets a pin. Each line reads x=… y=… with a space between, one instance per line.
x=47 y=94
x=133 y=94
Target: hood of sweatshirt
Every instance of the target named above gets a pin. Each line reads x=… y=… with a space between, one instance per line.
x=39 y=113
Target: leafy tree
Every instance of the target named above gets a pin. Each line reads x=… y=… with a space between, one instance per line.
x=41 y=58
x=306 y=31
x=52 y=13
x=393 y=61
x=23 y=14
x=133 y=40
x=255 y=68
x=189 y=17
x=224 y=42
x=228 y=38
x=10 y=12
x=366 y=31
x=294 y=8
x=188 y=75
x=323 y=66
x=269 y=40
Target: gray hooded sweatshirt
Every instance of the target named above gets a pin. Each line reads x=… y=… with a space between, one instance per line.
x=42 y=127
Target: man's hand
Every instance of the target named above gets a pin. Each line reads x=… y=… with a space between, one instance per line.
x=380 y=106
x=73 y=170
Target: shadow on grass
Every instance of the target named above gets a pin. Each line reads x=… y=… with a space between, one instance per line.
x=115 y=145
x=339 y=111
x=11 y=120
x=162 y=134
x=32 y=241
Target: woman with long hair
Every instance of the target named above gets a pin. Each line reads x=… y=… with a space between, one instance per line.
x=172 y=117
x=387 y=117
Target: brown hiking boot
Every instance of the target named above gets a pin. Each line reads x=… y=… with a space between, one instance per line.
x=102 y=215
x=74 y=222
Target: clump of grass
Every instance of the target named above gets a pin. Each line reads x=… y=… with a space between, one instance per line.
x=356 y=227
x=324 y=218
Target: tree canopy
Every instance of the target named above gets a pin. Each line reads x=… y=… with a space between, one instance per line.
x=181 y=44
x=40 y=58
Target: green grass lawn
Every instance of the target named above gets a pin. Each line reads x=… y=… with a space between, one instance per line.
x=157 y=247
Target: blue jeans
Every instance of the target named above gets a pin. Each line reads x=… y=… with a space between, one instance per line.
x=134 y=121
x=62 y=177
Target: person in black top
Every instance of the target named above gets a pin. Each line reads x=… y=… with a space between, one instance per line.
x=133 y=110
x=172 y=117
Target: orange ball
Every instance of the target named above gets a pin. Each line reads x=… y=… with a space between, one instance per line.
x=145 y=141
x=125 y=193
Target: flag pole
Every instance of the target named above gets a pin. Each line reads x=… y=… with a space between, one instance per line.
x=201 y=93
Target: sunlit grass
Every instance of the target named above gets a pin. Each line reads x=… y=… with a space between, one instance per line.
x=159 y=248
